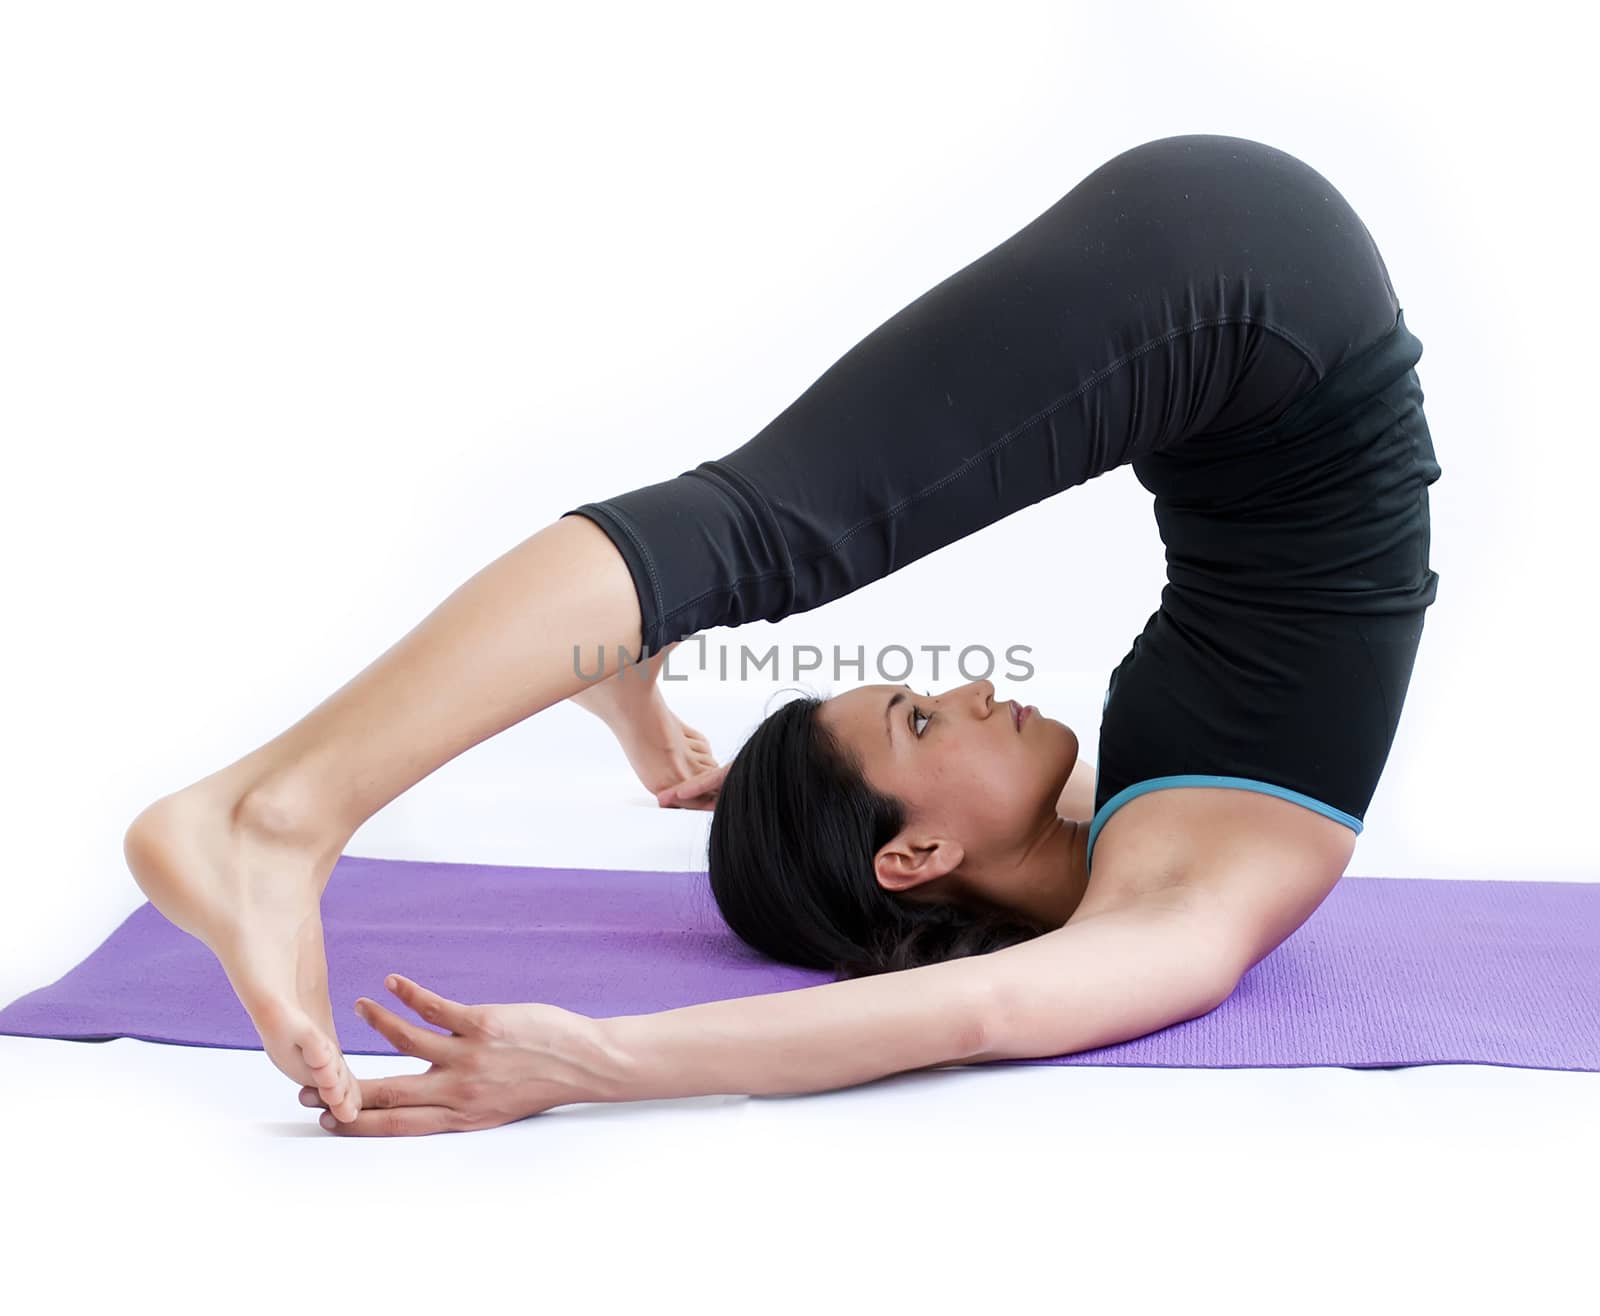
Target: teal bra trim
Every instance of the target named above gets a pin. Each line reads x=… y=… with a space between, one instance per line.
x=1204 y=779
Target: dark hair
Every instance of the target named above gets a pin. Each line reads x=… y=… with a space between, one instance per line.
x=793 y=835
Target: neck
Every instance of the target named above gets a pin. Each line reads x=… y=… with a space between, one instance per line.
x=1045 y=884
x=1057 y=873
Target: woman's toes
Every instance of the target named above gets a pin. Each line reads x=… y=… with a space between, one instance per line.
x=335 y=1088
x=331 y=1077
x=340 y=1094
x=314 y=1048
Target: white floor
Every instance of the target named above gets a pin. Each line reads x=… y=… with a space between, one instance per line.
x=191 y=1176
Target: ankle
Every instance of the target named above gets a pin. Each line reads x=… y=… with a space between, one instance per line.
x=283 y=815
x=598 y=697
x=621 y=700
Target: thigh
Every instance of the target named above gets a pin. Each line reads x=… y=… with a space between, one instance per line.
x=1119 y=321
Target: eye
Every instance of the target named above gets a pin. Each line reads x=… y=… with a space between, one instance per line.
x=926 y=718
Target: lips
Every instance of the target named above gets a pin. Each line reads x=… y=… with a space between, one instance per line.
x=1016 y=715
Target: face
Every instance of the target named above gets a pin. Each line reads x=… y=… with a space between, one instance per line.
x=980 y=790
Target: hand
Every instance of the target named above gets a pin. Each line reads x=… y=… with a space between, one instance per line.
x=698 y=792
x=498 y=1064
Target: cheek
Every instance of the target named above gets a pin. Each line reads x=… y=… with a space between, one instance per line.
x=989 y=786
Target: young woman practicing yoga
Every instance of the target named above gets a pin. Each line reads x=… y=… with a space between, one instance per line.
x=1206 y=309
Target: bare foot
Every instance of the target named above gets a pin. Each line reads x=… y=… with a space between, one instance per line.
x=662 y=748
x=252 y=893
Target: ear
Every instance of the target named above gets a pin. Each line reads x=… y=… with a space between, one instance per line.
x=912 y=859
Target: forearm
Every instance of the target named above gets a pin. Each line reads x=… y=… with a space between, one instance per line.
x=812 y=1039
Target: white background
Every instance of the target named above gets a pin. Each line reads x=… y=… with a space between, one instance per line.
x=309 y=311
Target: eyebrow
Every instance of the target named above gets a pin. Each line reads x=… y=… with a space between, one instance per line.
x=887 y=729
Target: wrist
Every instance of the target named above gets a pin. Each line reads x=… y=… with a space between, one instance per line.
x=607 y=1064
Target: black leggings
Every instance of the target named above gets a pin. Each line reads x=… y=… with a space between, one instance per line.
x=1206 y=308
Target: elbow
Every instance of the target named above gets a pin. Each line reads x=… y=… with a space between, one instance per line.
x=1219 y=974
x=1053 y=1024
x=1223 y=987
x=1111 y=979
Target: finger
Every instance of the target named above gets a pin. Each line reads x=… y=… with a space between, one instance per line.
x=431 y=1006
x=389 y=1091
x=383 y=1093
x=407 y=1038
x=401 y=1122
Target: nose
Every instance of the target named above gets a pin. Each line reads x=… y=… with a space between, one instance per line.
x=979 y=693
x=982 y=693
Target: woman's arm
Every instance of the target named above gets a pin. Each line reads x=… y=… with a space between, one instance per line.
x=1108 y=978
x=811 y=1039
x=1113 y=976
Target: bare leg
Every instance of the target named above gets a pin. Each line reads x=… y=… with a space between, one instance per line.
x=240 y=858
x=662 y=748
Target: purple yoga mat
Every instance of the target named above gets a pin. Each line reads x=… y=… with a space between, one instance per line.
x=1387 y=972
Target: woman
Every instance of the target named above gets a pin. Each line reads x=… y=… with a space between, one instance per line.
x=1207 y=309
